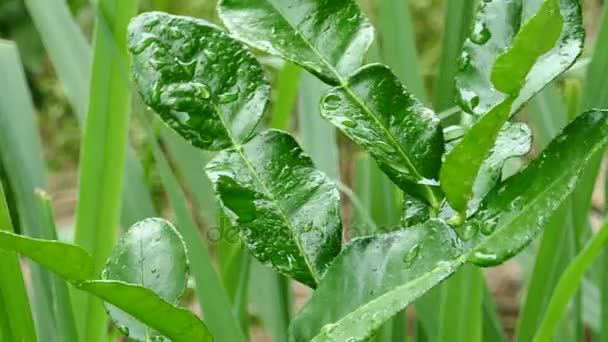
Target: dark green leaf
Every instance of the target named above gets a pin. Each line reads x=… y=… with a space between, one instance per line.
x=177 y=324
x=204 y=84
x=151 y=254
x=513 y=140
x=69 y=261
x=328 y=38
x=402 y=135
x=286 y=211
x=414 y=211
x=520 y=206
x=374 y=278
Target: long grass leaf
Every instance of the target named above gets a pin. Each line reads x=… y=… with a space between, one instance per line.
x=62 y=308
x=213 y=299
x=21 y=159
x=286 y=96
x=567 y=285
x=103 y=150
x=15 y=312
x=70 y=55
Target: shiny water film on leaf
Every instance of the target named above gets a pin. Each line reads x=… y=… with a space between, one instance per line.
x=328 y=38
x=286 y=211
x=514 y=212
x=375 y=277
x=514 y=140
x=203 y=83
x=494 y=30
x=151 y=254
x=403 y=136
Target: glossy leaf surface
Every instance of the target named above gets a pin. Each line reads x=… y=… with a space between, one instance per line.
x=69 y=261
x=177 y=324
x=520 y=206
x=404 y=137
x=153 y=255
x=204 y=84
x=374 y=278
x=286 y=211
x=328 y=38
x=494 y=30
x=514 y=140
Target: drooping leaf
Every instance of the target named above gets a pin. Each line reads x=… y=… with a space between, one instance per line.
x=286 y=211
x=513 y=140
x=328 y=38
x=404 y=137
x=520 y=206
x=204 y=84
x=535 y=56
x=69 y=261
x=151 y=254
x=177 y=324
x=374 y=278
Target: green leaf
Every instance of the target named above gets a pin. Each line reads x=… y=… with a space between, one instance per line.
x=520 y=71
x=270 y=182
x=374 y=278
x=532 y=58
x=204 y=84
x=403 y=136
x=327 y=38
x=514 y=140
x=151 y=254
x=69 y=261
x=463 y=163
x=568 y=283
x=177 y=324
x=520 y=206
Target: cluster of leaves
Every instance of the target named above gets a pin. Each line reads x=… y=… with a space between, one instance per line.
x=207 y=86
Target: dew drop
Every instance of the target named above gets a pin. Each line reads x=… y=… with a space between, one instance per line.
x=328 y=328
x=468 y=99
x=480 y=34
x=124 y=330
x=229 y=97
x=411 y=254
x=331 y=102
x=349 y=123
x=464 y=61
x=211 y=56
x=470 y=231
x=144 y=43
x=484 y=258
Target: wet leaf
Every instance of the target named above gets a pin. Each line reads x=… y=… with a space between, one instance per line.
x=514 y=212
x=514 y=140
x=69 y=261
x=414 y=211
x=153 y=255
x=524 y=68
x=374 y=278
x=177 y=324
x=204 y=84
x=522 y=65
x=328 y=38
x=286 y=211
x=404 y=137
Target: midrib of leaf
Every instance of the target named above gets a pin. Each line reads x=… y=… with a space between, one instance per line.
x=571 y=173
x=344 y=84
x=239 y=149
x=410 y=284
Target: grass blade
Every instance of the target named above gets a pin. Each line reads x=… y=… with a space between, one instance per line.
x=103 y=152
x=568 y=284
x=213 y=299
x=287 y=94
x=398 y=44
x=71 y=57
x=15 y=313
x=62 y=308
x=463 y=292
x=458 y=16
x=21 y=159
